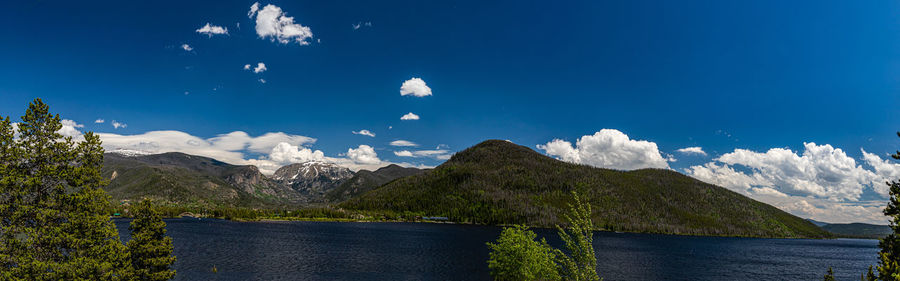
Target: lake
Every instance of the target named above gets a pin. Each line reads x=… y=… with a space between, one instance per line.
x=425 y=251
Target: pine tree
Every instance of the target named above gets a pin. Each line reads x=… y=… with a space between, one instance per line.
x=869 y=276
x=54 y=222
x=830 y=275
x=889 y=257
x=579 y=238
x=150 y=248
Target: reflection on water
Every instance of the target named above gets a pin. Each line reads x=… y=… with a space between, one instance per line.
x=419 y=251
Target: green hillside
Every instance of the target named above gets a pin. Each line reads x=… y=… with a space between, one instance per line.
x=188 y=180
x=858 y=230
x=498 y=182
x=365 y=180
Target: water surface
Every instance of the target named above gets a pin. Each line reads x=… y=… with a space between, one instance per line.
x=423 y=251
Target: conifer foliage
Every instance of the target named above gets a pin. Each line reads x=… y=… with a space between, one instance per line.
x=889 y=257
x=54 y=222
x=150 y=248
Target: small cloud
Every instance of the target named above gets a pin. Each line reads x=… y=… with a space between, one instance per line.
x=410 y=116
x=415 y=87
x=210 y=30
x=262 y=80
x=692 y=150
x=99 y=121
x=247 y=66
x=117 y=125
x=260 y=67
x=403 y=143
x=403 y=153
x=187 y=93
x=187 y=47
x=273 y=23
x=363 y=154
x=364 y=133
x=368 y=23
x=356 y=26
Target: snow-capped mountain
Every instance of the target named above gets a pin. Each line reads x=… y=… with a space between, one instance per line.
x=312 y=178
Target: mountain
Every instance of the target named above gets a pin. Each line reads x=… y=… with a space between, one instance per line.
x=312 y=179
x=365 y=180
x=498 y=182
x=858 y=230
x=817 y=223
x=191 y=180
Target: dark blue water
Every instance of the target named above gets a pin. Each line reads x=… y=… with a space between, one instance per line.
x=420 y=251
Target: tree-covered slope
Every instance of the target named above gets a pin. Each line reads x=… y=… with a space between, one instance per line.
x=858 y=230
x=365 y=180
x=183 y=179
x=497 y=182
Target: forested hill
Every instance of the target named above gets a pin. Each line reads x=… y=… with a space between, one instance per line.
x=498 y=182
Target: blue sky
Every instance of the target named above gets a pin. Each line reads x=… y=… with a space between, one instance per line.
x=717 y=75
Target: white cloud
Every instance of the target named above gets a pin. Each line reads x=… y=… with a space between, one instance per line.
x=364 y=133
x=273 y=23
x=210 y=30
x=437 y=153
x=415 y=87
x=117 y=125
x=70 y=129
x=821 y=171
x=884 y=171
x=99 y=121
x=253 y=9
x=363 y=154
x=260 y=67
x=410 y=116
x=284 y=153
x=247 y=66
x=262 y=80
x=403 y=143
x=187 y=47
x=608 y=148
x=356 y=26
x=692 y=150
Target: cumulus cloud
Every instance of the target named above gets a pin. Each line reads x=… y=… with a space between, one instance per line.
x=403 y=153
x=70 y=129
x=403 y=143
x=210 y=30
x=187 y=47
x=117 y=124
x=247 y=66
x=364 y=133
x=821 y=171
x=363 y=154
x=260 y=67
x=410 y=116
x=99 y=121
x=692 y=150
x=608 y=148
x=285 y=153
x=415 y=87
x=274 y=24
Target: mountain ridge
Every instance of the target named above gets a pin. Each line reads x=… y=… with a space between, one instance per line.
x=498 y=182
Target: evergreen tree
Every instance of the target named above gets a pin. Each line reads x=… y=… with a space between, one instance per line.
x=869 y=276
x=889 y=257
x=517 y=256
x=54 y=222
x=581 y=264
x=150 y=248
x=830 y=275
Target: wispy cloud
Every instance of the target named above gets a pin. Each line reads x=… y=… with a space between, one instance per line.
x=210 y=30
x=364 y=133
